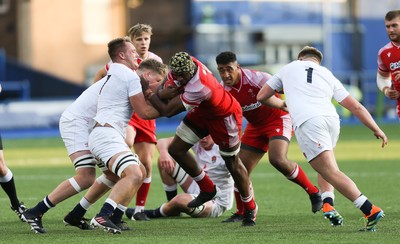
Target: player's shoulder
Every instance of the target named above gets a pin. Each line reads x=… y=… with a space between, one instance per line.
x=387 y=48
x=122 y=71
x=155 y=56
x=254 y=75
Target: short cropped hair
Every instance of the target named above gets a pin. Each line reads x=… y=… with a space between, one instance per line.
x=154 y=65
x=139 y=29
x=392 y=14
x=116 y=46
x=225 y=57
x=308 y=51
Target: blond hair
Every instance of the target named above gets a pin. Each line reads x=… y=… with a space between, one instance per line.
x=154 y=65
x=139 y=29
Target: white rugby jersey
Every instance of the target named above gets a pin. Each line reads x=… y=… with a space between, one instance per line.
x=309 y=89
x=113 y=105
x=214 y=166
x=85 y=106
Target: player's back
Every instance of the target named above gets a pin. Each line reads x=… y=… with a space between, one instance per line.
x=204 y=91
x=309 y=89
x=85 y=106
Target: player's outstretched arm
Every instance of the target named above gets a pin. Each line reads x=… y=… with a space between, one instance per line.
x=364 y=116
x=266 y=97
x=165 y=160
x=142 y=108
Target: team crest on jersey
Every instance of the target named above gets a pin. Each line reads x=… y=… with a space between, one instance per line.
x=213 y=159
x=388 y=54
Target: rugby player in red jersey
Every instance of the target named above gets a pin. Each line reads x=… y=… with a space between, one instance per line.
x=268 y=129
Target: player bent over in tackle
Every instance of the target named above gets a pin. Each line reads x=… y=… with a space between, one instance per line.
x=208 y=157
x=212 y=111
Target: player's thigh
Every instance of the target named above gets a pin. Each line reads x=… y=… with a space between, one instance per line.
x=145 y=151
x=108 y=146
x=317 y=135
x=130 y=135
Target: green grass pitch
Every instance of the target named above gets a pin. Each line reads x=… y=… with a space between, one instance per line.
x=284 y=216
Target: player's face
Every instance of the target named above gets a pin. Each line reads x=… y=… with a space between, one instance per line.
x=207 y=142
x=229 y=73
x=393 y=29
x=154 y=79
x=131 y=56
x=183 y=78
x=142 y=44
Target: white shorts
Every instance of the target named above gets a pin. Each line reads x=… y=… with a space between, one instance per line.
x=216 y=210
x=193 y=189
x=75 y=134
x=105 y=142
x=317 y=135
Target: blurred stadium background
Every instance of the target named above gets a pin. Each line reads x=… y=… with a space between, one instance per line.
x=50 y=50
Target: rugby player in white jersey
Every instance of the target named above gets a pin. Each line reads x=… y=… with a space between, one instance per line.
x=154 y=72
x=140 y=133
x=119 y=97
x=309 y=89
x=75 y=124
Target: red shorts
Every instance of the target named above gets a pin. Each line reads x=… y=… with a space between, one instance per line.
x=145 y=129
x=225 y=131
x=258 y=136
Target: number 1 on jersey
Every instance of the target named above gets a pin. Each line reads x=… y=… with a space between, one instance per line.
x=309 y=75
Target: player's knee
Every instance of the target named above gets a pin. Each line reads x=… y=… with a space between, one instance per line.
x=197 y=211
x=277 y=160
x=231 y=161
x=134 y=175
x=147 y=163
x=103 y=179
x=84 y=178
x=135 y=178
x=122 y=163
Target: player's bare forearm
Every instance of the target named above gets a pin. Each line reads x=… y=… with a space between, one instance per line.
x=358 y=110
x=168 y=109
